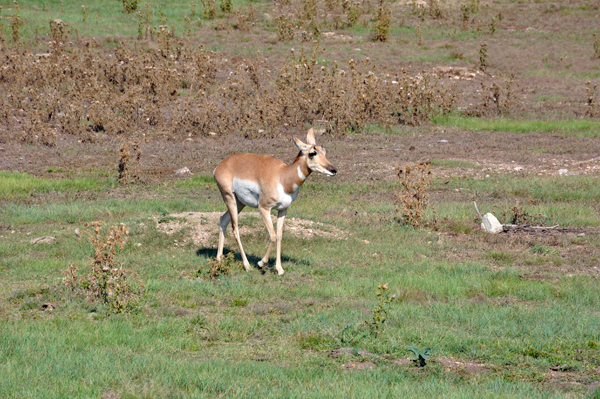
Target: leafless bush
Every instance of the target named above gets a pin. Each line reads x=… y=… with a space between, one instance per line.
x=129 y=162
x=413 y=197
x=497 y=98
x=382 y=22
x=165 y=85
x=592 y=105
x=107 y=281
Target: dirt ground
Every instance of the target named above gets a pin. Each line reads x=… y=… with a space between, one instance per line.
x=359 y=157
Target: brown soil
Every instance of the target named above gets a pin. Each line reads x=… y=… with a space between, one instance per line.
x=204 y=227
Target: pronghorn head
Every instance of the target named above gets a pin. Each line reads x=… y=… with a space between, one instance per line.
x=315 y=155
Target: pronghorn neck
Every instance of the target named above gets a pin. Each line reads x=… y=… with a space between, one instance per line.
x=295 y=174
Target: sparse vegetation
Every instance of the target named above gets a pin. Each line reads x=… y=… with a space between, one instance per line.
x=192 y=90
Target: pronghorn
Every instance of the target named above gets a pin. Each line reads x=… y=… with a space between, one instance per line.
x=266 y=183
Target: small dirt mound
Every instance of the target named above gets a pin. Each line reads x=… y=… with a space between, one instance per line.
x=204 y=227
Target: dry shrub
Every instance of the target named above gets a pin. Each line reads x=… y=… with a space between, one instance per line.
x=592 y=106
x=382 y=22
x=209 y=9
x=517 y=215
x=497 y=98
x=483 y=57
x=596 y=46
x=129 y=162
x=107 y=281
x=285 y=27
x=165 y=85
x=413 y=198
x=130 y=6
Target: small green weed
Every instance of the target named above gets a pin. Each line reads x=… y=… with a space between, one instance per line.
x=353 y=333
x=532 y=352
x=420 y=357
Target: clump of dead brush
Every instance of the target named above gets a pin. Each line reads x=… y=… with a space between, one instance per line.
x=596 y=46
x=483 y=55
x=219 y=268
x=492 y=26
x=84 y=10
x=107 y=281
x=309 y=11
x=285 y=27
x=129 y=162
x=226 y=6
x=130 y=6
x=352 y=13
x=517 y=215
x=435 y=10
x=413 y=197
x=382 y=22
x=419 y=33
x=209 y=9
x=16 y=23
x=465 y=15
x=497 y=98
x=592 y=106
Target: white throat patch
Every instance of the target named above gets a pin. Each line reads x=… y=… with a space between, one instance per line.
x=300 y=174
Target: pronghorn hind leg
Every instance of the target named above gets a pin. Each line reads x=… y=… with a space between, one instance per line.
x=266 y=216
x=233 y=208
x=280 y=220
x=223 y=222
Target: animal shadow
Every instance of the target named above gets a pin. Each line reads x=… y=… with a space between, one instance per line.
x=212 y=252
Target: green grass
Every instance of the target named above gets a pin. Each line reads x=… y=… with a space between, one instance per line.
x=16 y=184
x=574 y=127
x=270 y=336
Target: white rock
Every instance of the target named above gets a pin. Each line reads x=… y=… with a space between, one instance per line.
x=563 y=171
x=42 y=240
x=491 y=224
x=518 y=168
x=183 y=171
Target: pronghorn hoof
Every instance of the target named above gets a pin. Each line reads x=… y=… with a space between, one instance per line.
x=261 y=264
x=280 y=272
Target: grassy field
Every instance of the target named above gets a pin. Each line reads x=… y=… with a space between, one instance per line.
x=511 y=315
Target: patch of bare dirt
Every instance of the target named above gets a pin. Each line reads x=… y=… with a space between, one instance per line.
x=360 y=365
x=470 y=368
x=204 y=227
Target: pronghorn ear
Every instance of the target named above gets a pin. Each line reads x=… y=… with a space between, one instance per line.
x=301 y=146
x=310 y=137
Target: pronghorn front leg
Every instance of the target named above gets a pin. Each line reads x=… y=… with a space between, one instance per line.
x=266 y=216
x=280 y=220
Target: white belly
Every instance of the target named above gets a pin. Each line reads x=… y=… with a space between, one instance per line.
x=285 y=200
x=247 y=192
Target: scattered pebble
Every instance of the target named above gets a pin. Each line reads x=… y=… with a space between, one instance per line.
x=563 y=171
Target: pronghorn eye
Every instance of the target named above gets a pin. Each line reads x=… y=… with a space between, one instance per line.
x=312 y=154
